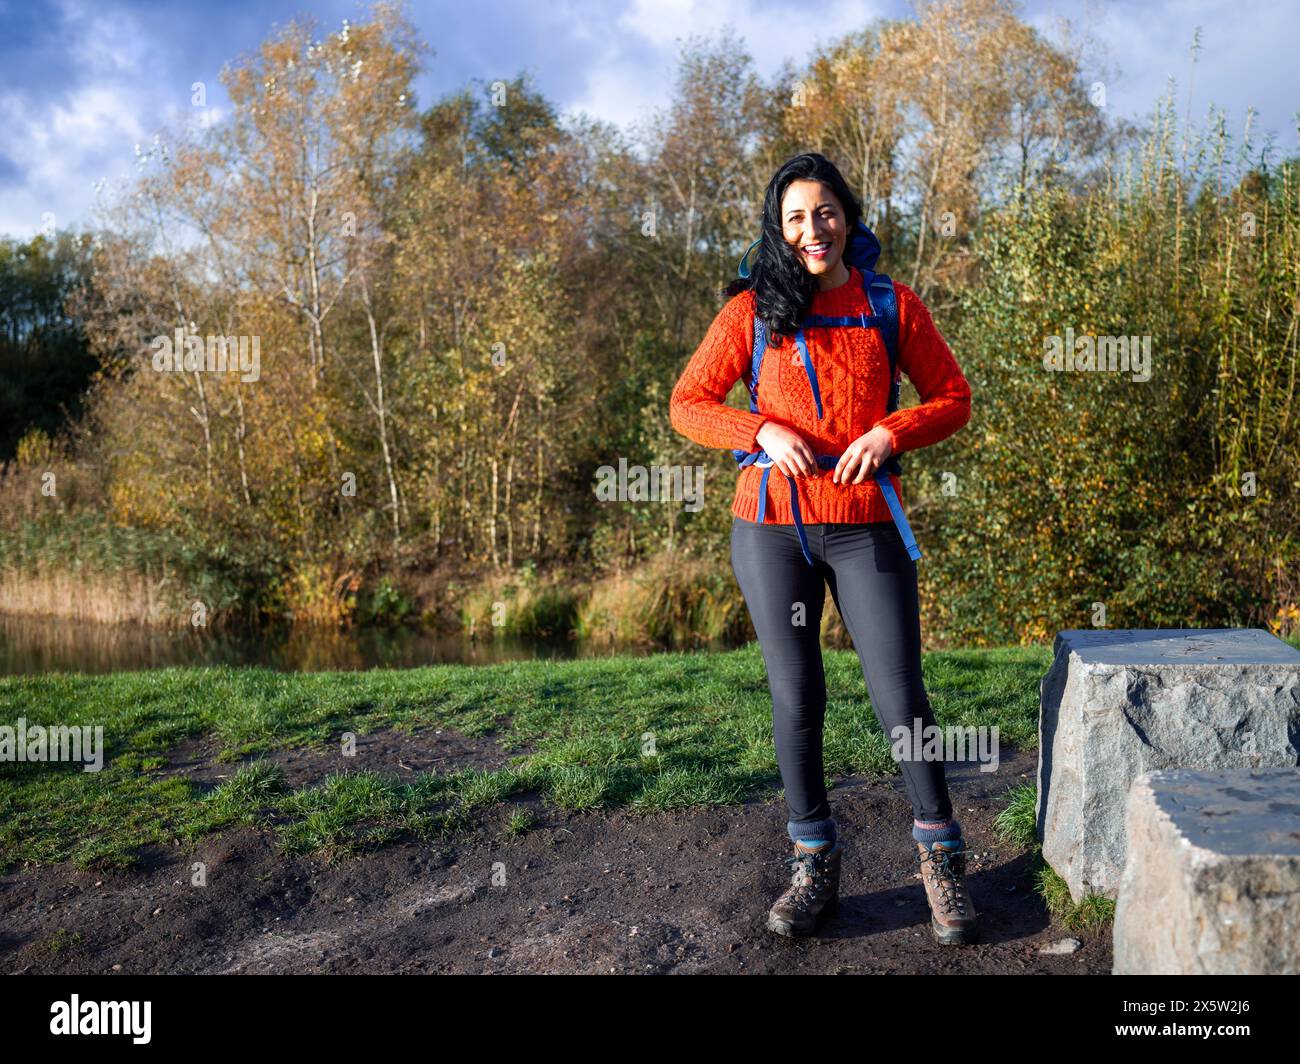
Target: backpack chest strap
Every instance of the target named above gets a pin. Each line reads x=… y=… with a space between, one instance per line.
x=830 y=461
x=844 y=321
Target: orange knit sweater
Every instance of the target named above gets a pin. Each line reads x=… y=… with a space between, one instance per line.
x=853 y=374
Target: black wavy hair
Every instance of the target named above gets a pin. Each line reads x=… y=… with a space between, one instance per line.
x=783 y=288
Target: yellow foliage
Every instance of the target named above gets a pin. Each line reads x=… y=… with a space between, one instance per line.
x=1286 y=622
x=315 y=594
x=139 y=498
x=35 y=449
x=1034 y=632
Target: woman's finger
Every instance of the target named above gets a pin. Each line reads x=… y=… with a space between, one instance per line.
x=850 y=461
x=868 y=467
x=809 y=459
x=844 y=467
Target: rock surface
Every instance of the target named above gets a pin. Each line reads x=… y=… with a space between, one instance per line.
x=1212 y=880
x=1117 y=703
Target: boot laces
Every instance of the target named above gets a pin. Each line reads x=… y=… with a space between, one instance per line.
x=807 y=868
x=944 y=874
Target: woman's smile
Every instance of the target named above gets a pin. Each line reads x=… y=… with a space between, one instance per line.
x=814 y=224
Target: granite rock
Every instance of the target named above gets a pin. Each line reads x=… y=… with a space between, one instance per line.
x=1118 y=703
x=1211 y=884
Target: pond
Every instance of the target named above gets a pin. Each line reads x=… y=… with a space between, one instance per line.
x=47 y=644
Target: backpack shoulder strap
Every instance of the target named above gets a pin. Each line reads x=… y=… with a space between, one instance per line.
x=755 y=367
x=884 y=304
x=756 y=362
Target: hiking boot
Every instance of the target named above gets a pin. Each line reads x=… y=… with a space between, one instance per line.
x=952 y=913
x=813 y=891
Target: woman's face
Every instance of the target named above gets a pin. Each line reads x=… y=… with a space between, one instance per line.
x=813 y=222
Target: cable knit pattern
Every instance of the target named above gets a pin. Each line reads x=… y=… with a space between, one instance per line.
x=853 y=375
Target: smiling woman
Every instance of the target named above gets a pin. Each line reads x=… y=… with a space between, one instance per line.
x=813 y=221
x=825 y=389
x=827 y=401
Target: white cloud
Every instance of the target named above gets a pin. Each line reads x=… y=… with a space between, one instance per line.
x=105 y=41
x=1243 y=61
x=632 y=71
x=770 y=33
x=65 y=142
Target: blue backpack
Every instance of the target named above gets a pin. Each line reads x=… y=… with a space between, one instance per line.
x=862 y=251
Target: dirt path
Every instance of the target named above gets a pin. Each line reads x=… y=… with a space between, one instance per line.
x=592 y=893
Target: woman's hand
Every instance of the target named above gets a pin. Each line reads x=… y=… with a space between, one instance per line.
x=863 y=457
x=787 y=449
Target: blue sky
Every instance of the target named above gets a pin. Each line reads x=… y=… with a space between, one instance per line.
x=82 y=83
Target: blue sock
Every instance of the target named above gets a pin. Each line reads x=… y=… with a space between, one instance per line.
x=950 y=833
x=812 y=844
x=813 y=830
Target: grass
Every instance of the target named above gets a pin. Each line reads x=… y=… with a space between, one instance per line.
x=62 y=940
x=644 y=734
x=1015 y=824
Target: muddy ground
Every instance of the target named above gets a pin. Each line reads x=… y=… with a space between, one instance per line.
x=617 y=892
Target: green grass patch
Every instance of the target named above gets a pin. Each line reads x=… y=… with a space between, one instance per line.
x=644 y=733
x=1015 y=825
x=520 y=823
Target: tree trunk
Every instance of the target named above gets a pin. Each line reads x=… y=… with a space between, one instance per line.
x=381 y=411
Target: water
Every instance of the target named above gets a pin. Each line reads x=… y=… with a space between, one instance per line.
x=44 y=644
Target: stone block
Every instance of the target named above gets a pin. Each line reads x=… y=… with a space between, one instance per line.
x=1117 y=703
x=1211 y=884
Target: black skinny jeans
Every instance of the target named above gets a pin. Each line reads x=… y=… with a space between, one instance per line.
x=873 y=584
